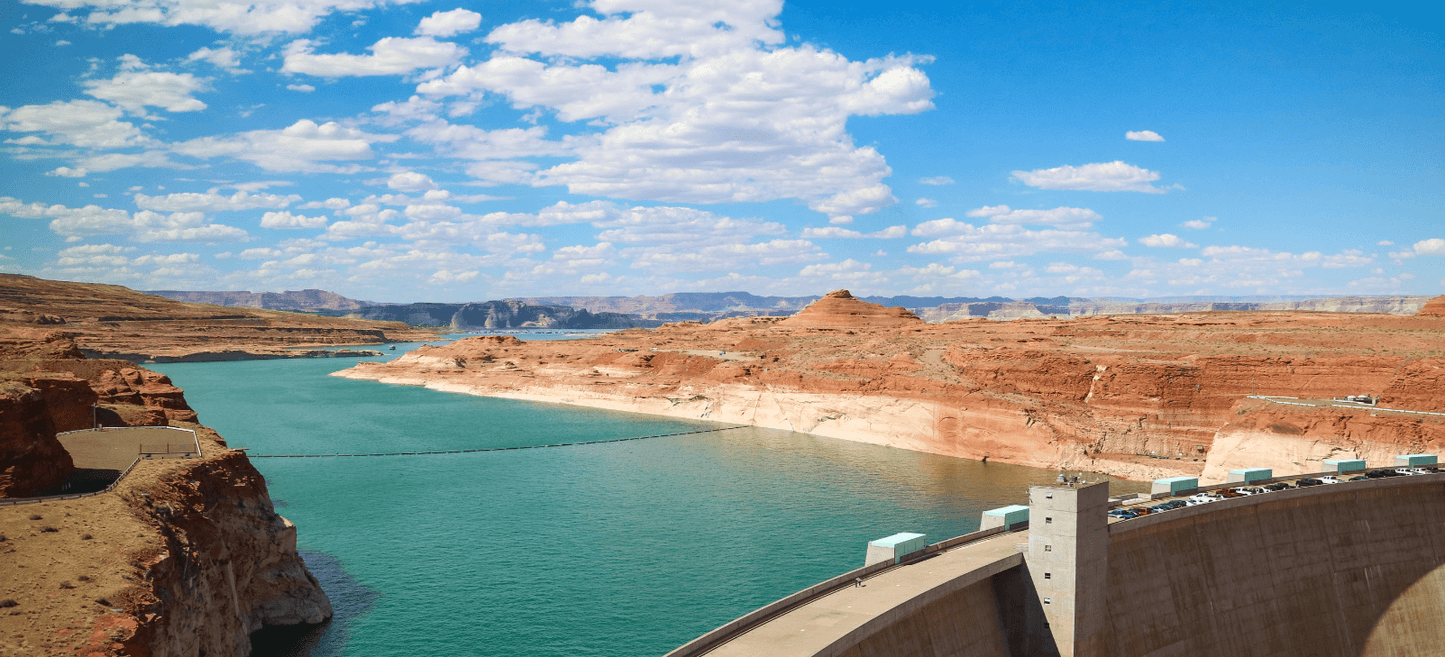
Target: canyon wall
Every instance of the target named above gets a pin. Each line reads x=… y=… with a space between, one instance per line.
x=185 y=557
x=1139 y=397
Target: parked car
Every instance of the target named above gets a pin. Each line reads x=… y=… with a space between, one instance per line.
x=1329 y=479
x=1310 y=481
x=1360 y=478
x=1278 y=486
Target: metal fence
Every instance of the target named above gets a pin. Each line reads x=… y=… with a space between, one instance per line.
x=72 y=496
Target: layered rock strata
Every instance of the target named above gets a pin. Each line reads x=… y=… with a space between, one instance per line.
x=1137 y=397
x=184 y=557
x=110 y=321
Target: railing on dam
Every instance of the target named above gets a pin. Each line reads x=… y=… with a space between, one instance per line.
x=707 y=642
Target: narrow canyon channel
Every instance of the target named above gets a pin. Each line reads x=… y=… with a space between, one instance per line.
x=615 y=550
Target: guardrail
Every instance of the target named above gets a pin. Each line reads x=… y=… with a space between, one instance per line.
x=1275 y=399
x=707 y=642
x=1261 y=482
x=1131 y=524
x=141 y=455
x=195 y=439
x=72 y=496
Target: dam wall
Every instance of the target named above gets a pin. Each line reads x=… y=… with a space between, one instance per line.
x=1356 y=568
x=1350 y=569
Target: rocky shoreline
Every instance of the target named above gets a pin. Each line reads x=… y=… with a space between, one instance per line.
x=1138 y=398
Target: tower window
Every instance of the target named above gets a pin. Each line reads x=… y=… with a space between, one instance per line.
x=1048 y=575
x=1048 y=601
x=1048 y=520
x=1048 y=548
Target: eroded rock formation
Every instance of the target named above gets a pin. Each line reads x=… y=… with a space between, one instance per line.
x=1137 y=396
x=183 y=558
x=110 y=321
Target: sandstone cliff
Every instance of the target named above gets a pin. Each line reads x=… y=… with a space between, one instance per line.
x=110 y=321
x=504 y=314
x=184 y=557
x=1294 y=439
x=1433 y=308
x=1134 y=396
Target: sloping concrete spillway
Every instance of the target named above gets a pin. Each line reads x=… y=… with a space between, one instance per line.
x=1351 y=569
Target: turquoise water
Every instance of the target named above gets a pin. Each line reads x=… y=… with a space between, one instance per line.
x=619 y=549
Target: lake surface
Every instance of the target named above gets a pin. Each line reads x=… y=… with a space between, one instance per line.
x=615 y=550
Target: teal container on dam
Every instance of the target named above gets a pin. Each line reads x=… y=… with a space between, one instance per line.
x=1414 y=460
x=1005 y=516
x=1249 y=475
x=1341 y=466
x=1174 y=485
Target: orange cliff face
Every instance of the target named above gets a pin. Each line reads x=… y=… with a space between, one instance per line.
x=1435 y=307
x=1110 y=394
x=157 y=549
x=839 y=309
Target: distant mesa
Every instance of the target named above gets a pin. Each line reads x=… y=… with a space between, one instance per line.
x=1433 y=308
x=309 y=300
x=840 y=309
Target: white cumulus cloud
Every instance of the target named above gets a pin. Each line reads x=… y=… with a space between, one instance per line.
x=235 y=16
x=389 y=56
x=212 y=201
x=1143 y=135
x=1113 y=176
x=84 y=123
x=1166 y=240
x=411 y=181
x=284 y=220
x=1433 y=246
x=691 y=104
x=449 y=23
x=138 y=87
x=304 y=146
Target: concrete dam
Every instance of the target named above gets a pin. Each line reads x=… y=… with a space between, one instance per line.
x=1349 y=569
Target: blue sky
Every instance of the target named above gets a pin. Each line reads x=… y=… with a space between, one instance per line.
x=404 y=151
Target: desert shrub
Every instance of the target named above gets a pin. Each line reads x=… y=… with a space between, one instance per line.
x=48 y=530
x=86 y=537
x=7 y=603
x=35 y=516
x=66 y=585
x=83 y=578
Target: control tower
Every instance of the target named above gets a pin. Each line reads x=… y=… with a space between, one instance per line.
x=1068 y=565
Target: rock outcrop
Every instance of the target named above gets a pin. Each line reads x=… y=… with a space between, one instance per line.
x=110 y=321
x=225 y=566
x=32 y=461
x=183 y=558
x=1433 y=308
x=839 y=309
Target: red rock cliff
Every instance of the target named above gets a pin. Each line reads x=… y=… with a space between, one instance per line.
x=183 y=558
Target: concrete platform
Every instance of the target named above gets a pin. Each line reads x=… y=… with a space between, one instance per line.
x=115 y=448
